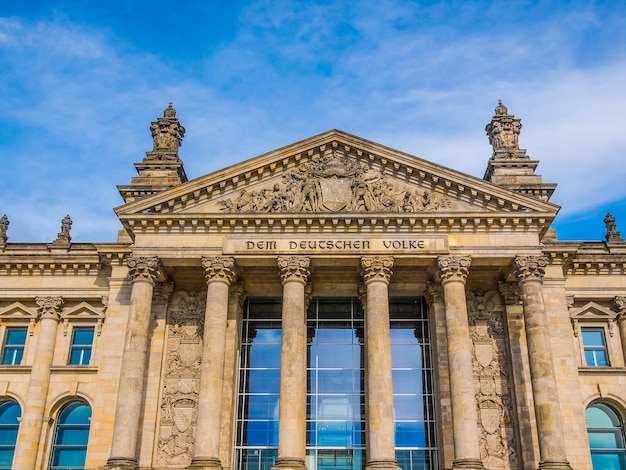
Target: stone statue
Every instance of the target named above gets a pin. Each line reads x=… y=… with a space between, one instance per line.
x=612 y=235
x=64 y=237
x=503 y=132
x=4 y=225
x=167 y=134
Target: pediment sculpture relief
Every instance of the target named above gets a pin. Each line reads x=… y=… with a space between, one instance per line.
x=333 y=182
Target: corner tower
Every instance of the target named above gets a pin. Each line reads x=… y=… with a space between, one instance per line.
x=162 y=168
x=509 y=166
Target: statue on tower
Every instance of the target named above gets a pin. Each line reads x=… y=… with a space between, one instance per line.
x=4 y=225
x=168 y=134
x=503 y=132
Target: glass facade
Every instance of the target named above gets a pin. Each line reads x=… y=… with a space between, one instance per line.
x=336 y=397
x=336 y=393
x=10 y=414
x=71 y=436
x=13 y=348
x=259 y=385
x=606 y=438
x=412 y=373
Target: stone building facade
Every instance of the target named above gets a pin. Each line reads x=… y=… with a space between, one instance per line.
x=331 y=304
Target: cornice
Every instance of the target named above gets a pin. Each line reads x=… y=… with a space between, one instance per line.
x=586 y=258
x=76 y=259
x=427 y=222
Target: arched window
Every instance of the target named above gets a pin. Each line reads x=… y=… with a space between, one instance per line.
x=606 y=438
x=70 y=439
x=10 y=413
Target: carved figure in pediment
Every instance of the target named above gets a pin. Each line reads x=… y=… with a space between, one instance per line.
x=333 y=182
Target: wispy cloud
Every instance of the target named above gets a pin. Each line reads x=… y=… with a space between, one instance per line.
x=420 y=78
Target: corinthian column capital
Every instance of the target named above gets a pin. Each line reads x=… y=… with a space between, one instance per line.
x=376 y=268
x=529 y=268
x=49 y=307
x=219 y=268
x=620 y=306
x=453 y=268
x=145 y=268
x=294 y=268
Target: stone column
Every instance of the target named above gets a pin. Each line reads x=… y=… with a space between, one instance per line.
x=620 y=305
x=529 y=271
x=219 y=272
x=144 y=272
x=48 y=309
x=453 y=271
x=376 y=271
x=294 y=272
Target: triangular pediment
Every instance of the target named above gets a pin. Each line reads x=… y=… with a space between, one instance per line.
x=81 y=311
x=592 y=311
x=17 y=311
x=339 y=175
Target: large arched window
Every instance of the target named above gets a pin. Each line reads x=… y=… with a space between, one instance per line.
x=70 y=439
x=10 y=413
x=606 y=438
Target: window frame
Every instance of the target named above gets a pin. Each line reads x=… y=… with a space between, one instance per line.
x=13 y=347
x=593 y=315
x=619 y=451
x=11 y=427
x=593 y=348
x=55 y=447
x=81 y=347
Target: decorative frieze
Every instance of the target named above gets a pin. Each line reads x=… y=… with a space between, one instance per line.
x=453 y=268
x=334 y=182
x=144 y=268
x=376 y=268
x=294 y=268
x=498 y=440
x=529 y=268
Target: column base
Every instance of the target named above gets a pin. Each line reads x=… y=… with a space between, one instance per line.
x=120 y=464
x=289 y=463
x=554 y=465
x=474 y=464
x=382 y=465
x=205 y=463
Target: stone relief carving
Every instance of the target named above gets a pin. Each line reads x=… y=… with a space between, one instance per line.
x=498 y=442
x=179 y=399
x=333 y=182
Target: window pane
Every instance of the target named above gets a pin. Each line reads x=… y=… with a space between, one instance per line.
x=608 y=461
x=593 y=336
x=83 y=336
x=15 y=336
x=72 y=434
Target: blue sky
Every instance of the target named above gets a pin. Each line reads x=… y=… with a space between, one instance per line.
x=81 y=81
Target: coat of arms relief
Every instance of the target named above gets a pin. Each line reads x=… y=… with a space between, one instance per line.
x=181 y=381
x=333 y=182
x=498 y=441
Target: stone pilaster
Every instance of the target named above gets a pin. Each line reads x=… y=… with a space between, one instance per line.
x=620 y=306
x=48 y=309
x=376 y=271
x=219 y=272
x=529 y=271
x=144 y=271
x=453 y=271
x=294 y=272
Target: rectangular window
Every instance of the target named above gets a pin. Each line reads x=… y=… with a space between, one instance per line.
x=594 y=344
x=80 y=350
x=13 y=348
